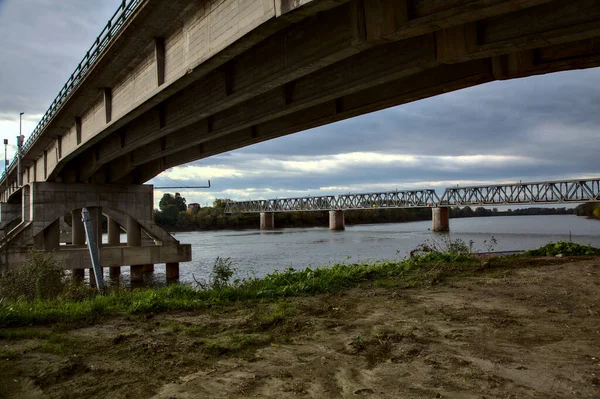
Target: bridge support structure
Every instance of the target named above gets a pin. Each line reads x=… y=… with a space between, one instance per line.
x=440 y=220
x=267 y=220
x=128 y=207
x=336 y=220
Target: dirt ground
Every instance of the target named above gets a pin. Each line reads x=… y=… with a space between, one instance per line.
x=526 y=332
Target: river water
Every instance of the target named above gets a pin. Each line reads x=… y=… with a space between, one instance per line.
x=256 y=253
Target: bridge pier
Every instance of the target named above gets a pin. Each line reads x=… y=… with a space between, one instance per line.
x=267 y=220
x=440 y=219
x=172 y=271
x=336 y=220
x=44 y=204
x=134 y=239
x=114 y=238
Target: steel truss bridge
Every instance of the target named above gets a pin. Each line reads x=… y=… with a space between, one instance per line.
x=550 y=192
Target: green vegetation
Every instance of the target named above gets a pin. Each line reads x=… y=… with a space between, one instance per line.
x=72 y=303
x=40 y=278
x=590 y=210
x=174 y=215
x=564 y=248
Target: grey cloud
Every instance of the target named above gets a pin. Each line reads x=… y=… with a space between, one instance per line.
x=41 y=43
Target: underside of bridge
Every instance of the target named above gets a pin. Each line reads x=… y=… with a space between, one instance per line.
x=187 y=79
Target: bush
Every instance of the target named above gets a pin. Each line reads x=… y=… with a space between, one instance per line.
x=564 y=248
x=40 y=278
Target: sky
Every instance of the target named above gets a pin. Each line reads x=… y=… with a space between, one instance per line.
x=538 y=128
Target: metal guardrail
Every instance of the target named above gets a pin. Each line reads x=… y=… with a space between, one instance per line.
x=551 y=192
x=112 y=28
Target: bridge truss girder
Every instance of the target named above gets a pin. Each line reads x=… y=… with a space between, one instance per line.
x=550 y=192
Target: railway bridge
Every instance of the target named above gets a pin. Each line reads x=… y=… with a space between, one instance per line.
x=170 y=82
x=535 y=193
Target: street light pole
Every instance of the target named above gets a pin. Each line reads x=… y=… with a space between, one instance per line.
x=19 y=146
x=6 y=168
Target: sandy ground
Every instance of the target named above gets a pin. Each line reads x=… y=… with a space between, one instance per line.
x=527 y=332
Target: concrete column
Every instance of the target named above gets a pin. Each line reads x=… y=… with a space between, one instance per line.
x=92 y=278
x=267 y=220
x=134 y=233
x=136 y=273
x=52 y=236
x=78 y=274
x=440 y=219
x=134 y=239
x=114 y=238
x=173 y=271
x=149 y=268
x=77 y=230
x=114 y=232
x=336 y=220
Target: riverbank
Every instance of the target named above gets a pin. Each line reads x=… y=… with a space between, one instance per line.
x=439 y=328
x=215 y=219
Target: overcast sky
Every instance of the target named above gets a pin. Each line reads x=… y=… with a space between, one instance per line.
x=538 y=128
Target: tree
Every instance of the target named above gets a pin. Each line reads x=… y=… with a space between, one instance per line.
x=177 y=201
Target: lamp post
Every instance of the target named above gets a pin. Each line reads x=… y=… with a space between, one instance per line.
x=19 y=147
x=6 y=168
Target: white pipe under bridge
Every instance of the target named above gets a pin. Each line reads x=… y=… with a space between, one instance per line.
x=549 y=192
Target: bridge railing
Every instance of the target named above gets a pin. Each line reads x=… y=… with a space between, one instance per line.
x=551 y=192
x=110 y=31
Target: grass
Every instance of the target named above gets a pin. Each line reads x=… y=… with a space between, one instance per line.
x=186 y=297
x=424 y=269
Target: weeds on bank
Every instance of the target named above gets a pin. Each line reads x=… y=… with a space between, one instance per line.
x=564 y=248
x=429 y=264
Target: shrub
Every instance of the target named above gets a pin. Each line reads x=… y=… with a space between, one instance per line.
x=564 y=248
x=41 y=277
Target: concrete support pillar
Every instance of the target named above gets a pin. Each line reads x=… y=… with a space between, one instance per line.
x=136 y=273
x=114 y=232
x=77 y=230
x=336 y=220
x=115 y=271
x=79 y=274
x=92 y=278
x=173 y=271
x=440 y=219
x=267 y=220
x=114 y=238
x=134 y=233
x=134 y=239
x=52 y=236
x=149 y=268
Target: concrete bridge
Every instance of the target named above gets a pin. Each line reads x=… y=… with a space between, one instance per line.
x=167 y=83
x=535 y=193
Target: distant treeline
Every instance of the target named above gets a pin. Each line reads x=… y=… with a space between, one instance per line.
x=590 y=210
x=173 y=215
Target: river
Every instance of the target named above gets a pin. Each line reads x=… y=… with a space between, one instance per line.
x=256 y=253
